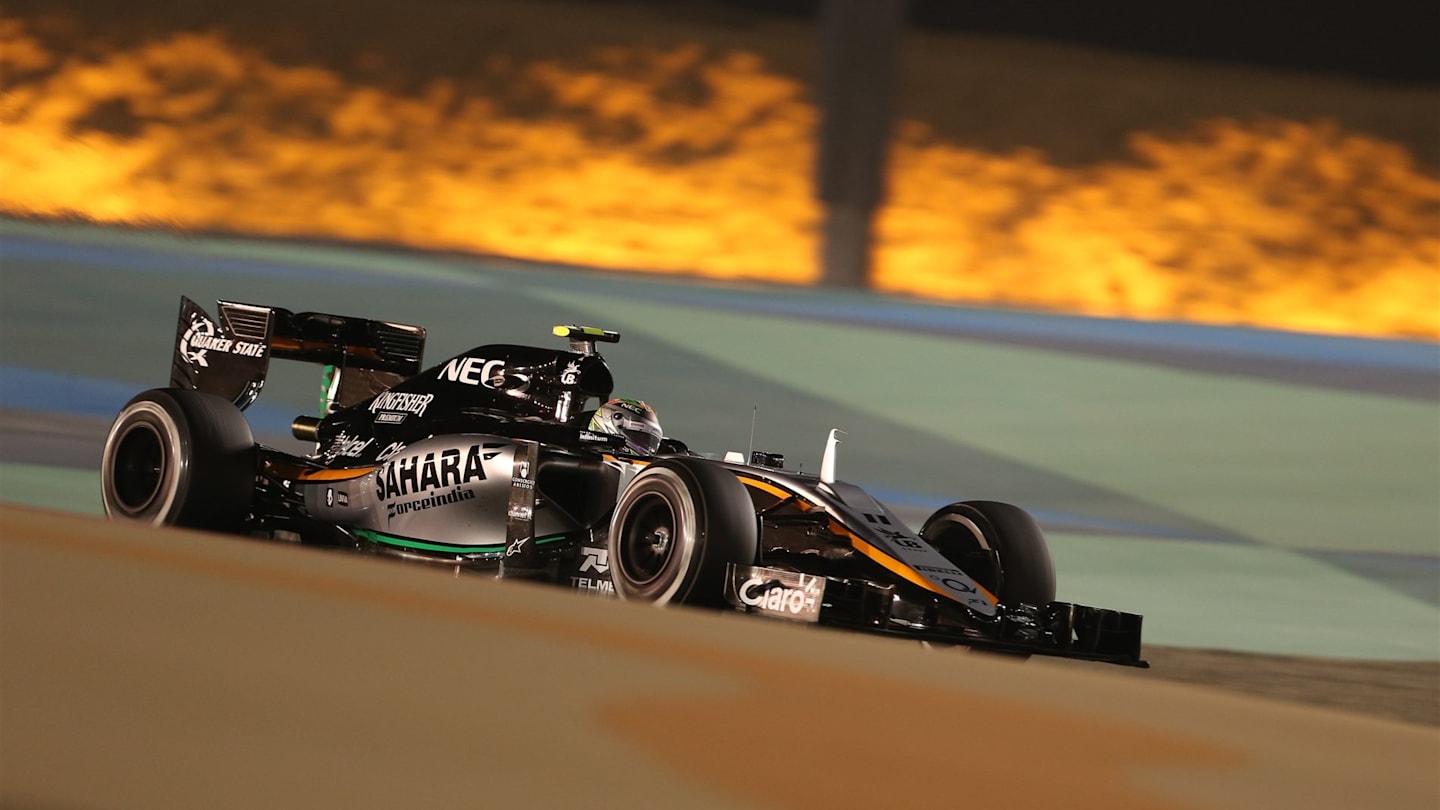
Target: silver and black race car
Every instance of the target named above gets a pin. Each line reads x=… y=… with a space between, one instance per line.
x=515 y=461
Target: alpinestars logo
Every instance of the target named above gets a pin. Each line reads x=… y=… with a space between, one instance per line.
x=201 y=338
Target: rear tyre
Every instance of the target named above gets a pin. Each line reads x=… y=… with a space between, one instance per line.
x=179 y=458
x=998 y=545
x=676 y=528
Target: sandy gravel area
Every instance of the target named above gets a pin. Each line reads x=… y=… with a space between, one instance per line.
x=1395 y=690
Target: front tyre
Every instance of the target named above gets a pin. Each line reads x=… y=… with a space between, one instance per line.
x=179 y=458
x=998 y=545
x=676 y=528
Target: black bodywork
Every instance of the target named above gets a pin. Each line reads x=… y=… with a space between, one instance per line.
x=486 y=462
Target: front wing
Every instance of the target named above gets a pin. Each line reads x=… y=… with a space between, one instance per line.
x=1059 y=629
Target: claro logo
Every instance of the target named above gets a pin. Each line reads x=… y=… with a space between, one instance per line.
x=753 y=592
x=778 y=592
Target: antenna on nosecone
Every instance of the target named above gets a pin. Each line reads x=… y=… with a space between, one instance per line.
x=827 y=462
x=750 y=452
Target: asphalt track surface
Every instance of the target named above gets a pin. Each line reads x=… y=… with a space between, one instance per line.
x=169 y=669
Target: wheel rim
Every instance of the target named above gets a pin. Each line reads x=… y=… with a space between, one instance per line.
x=957 y=533
x=139 y=468
x=648 y=540
x=961 y=530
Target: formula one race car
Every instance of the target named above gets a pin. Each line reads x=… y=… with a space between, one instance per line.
x=494 y=460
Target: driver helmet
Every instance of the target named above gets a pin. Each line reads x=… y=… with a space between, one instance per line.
x=632 y=420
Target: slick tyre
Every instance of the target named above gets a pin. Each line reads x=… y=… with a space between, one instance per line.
x=179 y=458
x=674 y=530
x=997 y=544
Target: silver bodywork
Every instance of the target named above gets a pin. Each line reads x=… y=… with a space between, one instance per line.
x=451 y=490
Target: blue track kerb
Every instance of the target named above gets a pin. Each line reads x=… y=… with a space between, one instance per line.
x=28 y=389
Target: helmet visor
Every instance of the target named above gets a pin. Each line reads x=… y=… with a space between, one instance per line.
x=641 y=436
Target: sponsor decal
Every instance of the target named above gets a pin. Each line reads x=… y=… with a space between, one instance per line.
x=474 y=371
x=961 y=586
x=903 y=540
x=775 y=592
x=201 y=338
x=456 y=495
x=388 y=418
x=391 y=450
x=628 y=405
x=334 y=498
x=588 y=436
x=522 y=480
x=432 y=471
x=520 y=512
x=571 y=374
x=595 y=559
x=955 y=580
x=932 y=569
x=347 y=446
x=399 y=404
x=604 y=587
x=920 y=556
x=516 y=547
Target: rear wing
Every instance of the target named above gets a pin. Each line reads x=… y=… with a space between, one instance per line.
x=231 y=357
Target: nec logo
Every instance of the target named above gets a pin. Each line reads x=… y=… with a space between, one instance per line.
x=473 y=371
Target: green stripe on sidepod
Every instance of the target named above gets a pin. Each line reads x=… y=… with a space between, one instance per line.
x=405 y=542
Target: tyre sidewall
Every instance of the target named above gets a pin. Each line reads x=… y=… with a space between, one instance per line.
x=160 y=415
x=1027 y=570
x=207 y=460
x=670 y=583
x=724 y=531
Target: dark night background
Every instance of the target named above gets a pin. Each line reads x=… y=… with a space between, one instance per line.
x=1389 y=40
x=1236 y=147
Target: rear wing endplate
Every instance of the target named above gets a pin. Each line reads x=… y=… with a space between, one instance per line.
x=230 y=357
